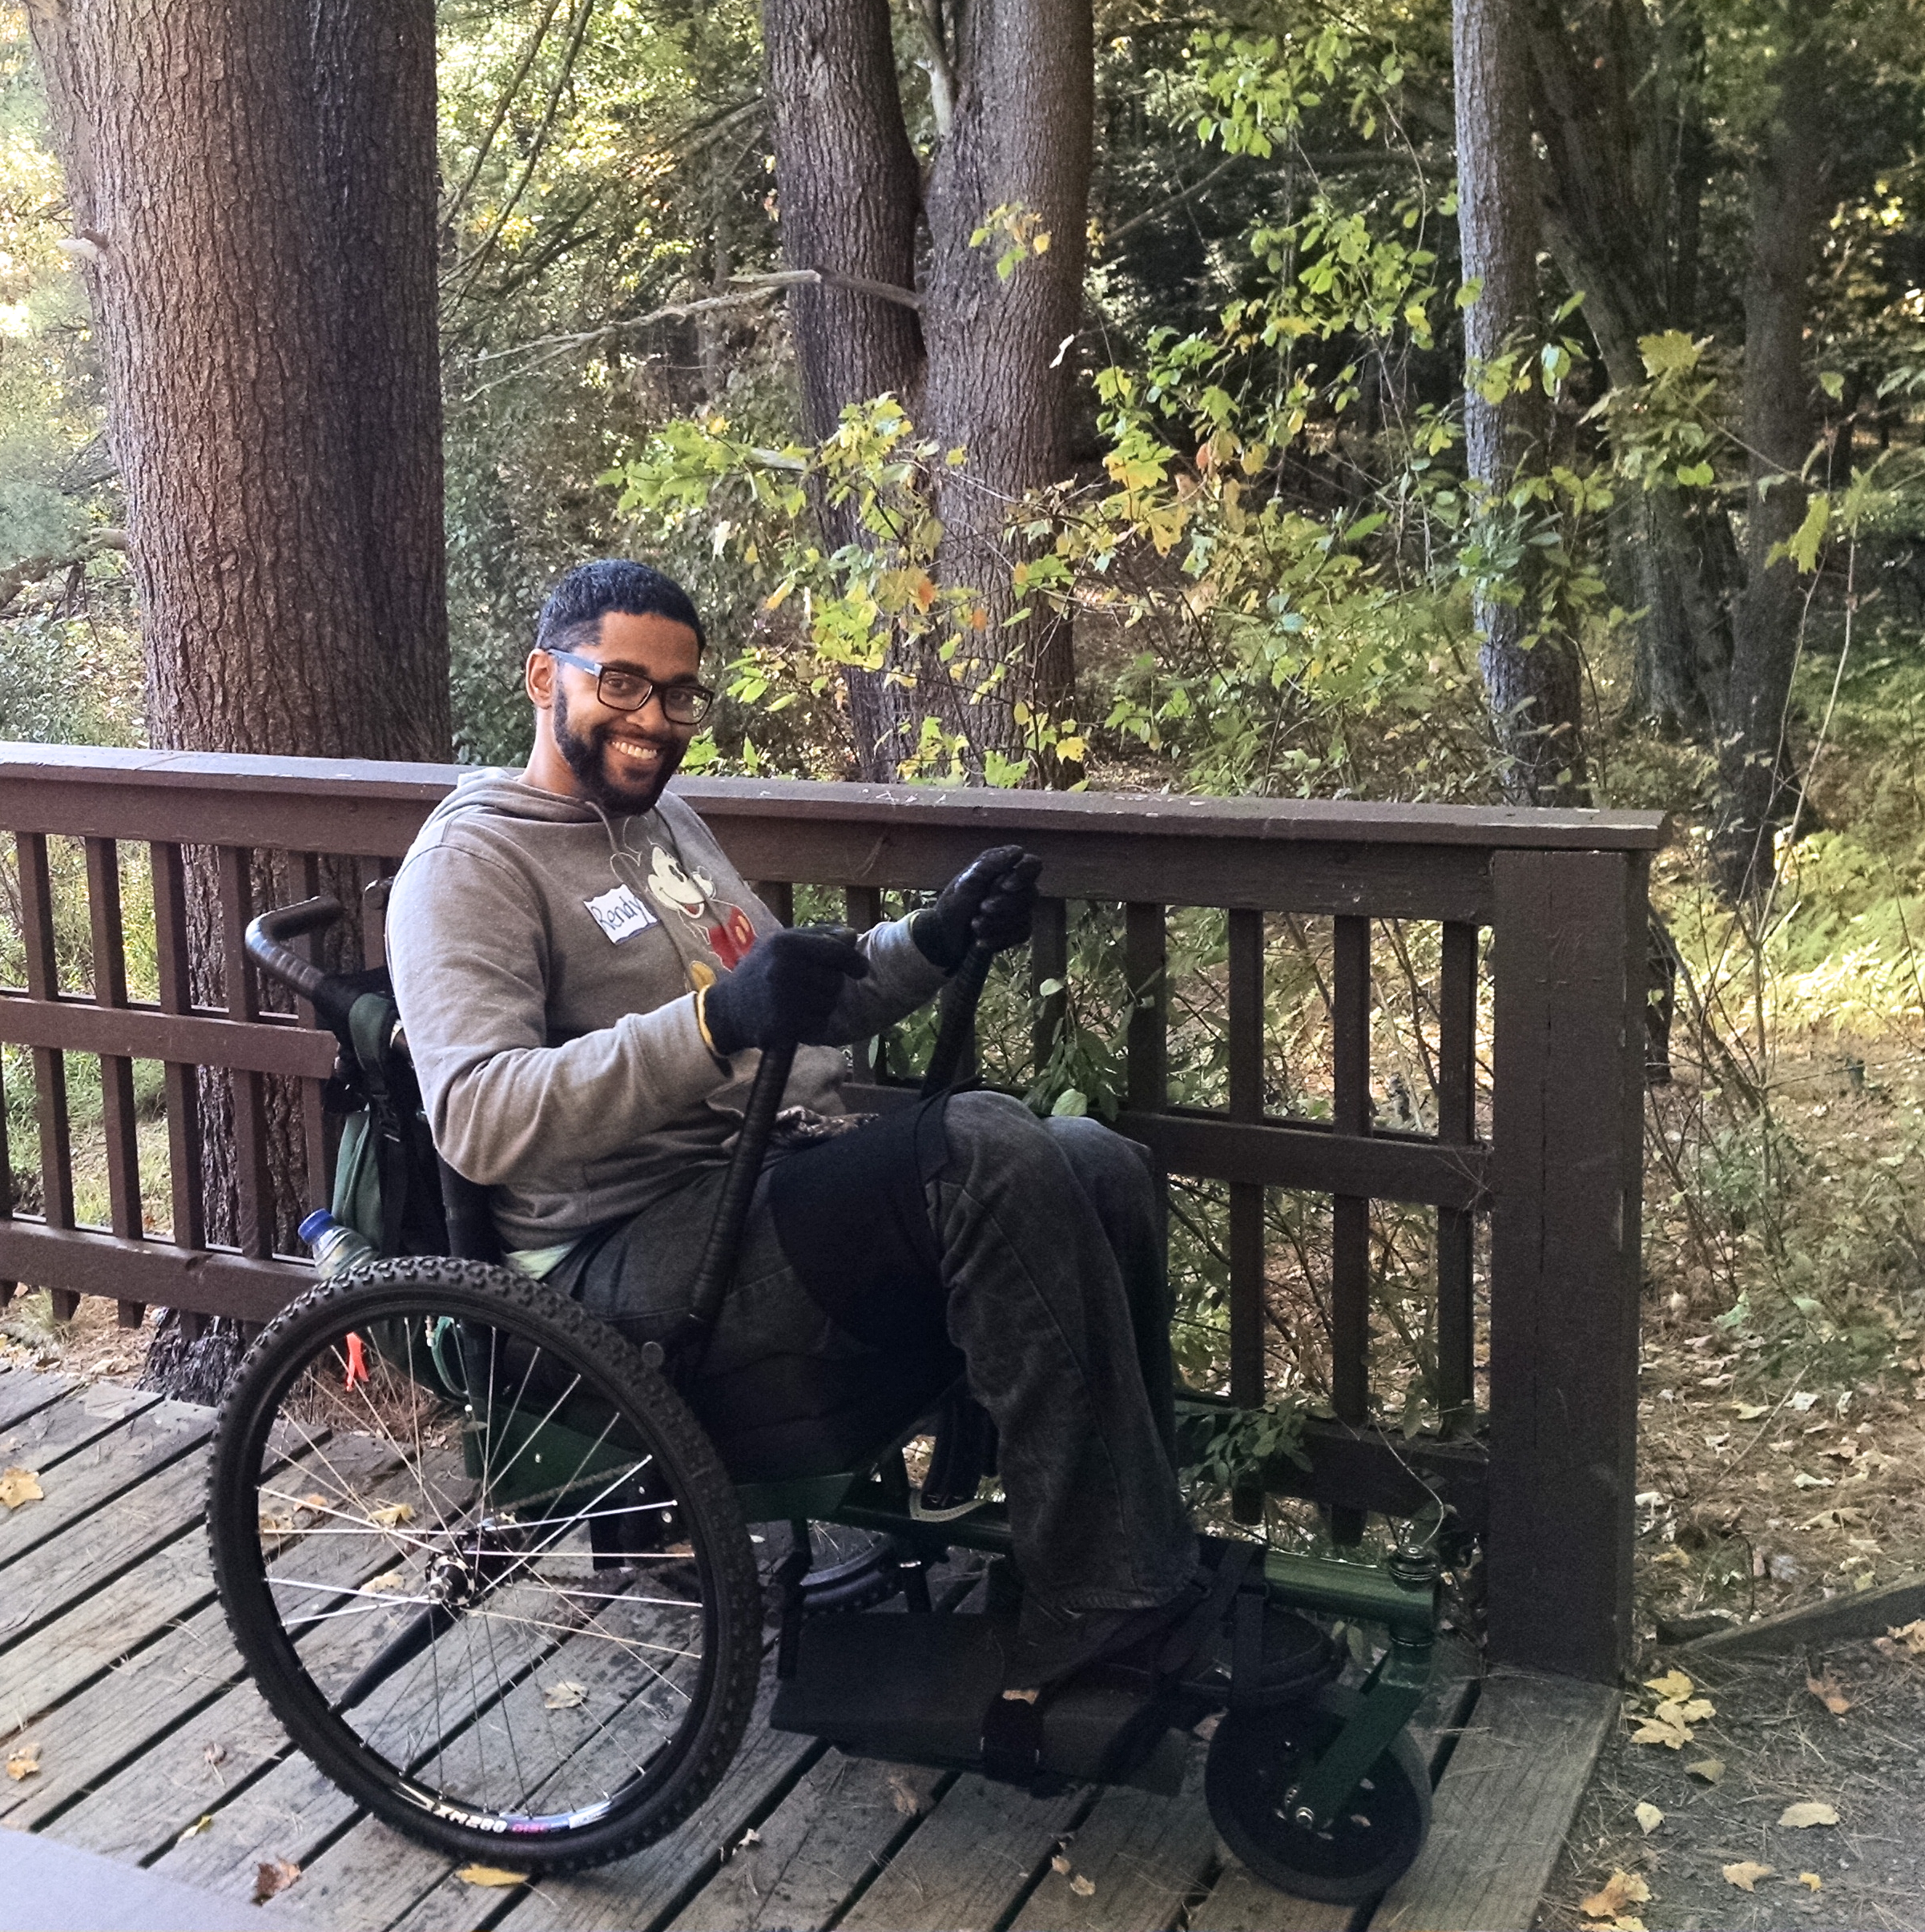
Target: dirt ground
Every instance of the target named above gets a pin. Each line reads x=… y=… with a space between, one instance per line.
x=1779 y=1746
x=93 y=1345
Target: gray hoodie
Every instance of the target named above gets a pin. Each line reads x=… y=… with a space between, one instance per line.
x=546 y=960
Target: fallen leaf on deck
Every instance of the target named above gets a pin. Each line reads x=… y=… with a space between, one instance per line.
x=1709 y=1770
x=564 y=1697
x=1648 y=1817
x=906 y=1801
x=389 y=1579
x=314 y=1500
x=24 y=1763
x=277 y=1526
x=18 y=1485
x=391 y=1514
x=1745 y=1876
x=216 y=1753
x=1083 y=1888
x=1812 y=1879
x=273 y=1875
x=1621 y=1888
x=193 y=1831
x=1911 y=1636
x=489 y=1874
x=1829 y=1692
x=1059 y=1866
x=1813 y=1811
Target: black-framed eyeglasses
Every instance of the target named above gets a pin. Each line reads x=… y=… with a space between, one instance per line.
x=628 y=690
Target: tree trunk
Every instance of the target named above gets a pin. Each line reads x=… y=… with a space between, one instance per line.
x=1624 y=142
x=1788 y=188
x=1530 y=671
x=257 y=178
x=850 y=195
x=1017 y=161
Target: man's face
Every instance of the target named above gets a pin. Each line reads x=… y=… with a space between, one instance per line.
x=621 y=759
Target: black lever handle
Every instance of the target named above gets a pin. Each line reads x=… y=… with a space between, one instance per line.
x=266 y=941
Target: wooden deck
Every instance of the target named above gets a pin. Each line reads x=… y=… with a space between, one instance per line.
x=154 y=1750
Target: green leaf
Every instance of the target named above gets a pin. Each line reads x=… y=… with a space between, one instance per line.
x=1698 y=474
x=1669 y=354
x=1832 y=383
x=1802 y=546
x=1070 y=1104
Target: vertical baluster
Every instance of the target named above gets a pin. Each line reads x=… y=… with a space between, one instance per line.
x=1349 y=1214
x=1456 y=1126
x=182 y=1078
x=50 y=1064
x=1145 y=959
x=6 y=1180
x=254 y=1185
x=862 y=909
x=316 y=1152
x=1048 y=960
x=116 y=1070
x=779 y=895
x=1247 y=1242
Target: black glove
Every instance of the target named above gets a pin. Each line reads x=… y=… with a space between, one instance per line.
x=784 y=989
x=992 y=898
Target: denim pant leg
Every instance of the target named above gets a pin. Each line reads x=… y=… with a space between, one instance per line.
x=1121 y=1183
x=1038 y=1305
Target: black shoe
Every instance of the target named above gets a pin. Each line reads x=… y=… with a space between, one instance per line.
x=1052 y=1645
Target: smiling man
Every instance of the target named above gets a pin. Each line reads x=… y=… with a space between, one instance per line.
x=585 y=981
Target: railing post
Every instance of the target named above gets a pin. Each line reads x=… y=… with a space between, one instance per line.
x=1566 y=1147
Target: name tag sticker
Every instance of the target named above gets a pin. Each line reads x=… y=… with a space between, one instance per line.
x=620 y=914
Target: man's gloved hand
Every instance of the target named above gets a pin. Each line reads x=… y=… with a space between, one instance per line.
x=992 y=898
x=784 y=989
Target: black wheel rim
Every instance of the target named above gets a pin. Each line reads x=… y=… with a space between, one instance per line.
x=472 y=1572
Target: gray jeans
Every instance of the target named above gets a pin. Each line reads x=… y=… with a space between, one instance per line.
x=1052 y=1235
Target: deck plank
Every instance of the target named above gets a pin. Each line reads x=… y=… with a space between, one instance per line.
x=88 y=1509
x=1507 y=1797
x=827 y=1837
x=43 y=1440
x=145 y=1715
x=1144 y=1855
x=23 y=1390
x=642 y=1889
x=969 y=1862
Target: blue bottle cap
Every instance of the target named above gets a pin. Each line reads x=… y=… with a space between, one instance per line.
x=316 y=1225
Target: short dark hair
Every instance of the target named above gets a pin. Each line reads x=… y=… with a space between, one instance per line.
x=590 y=590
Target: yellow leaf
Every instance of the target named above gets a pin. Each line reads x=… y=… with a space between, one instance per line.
x=1083 y=1888
x=1648 y=1817
x=1749 y=1411
x=391 y=1515
x=1662 y=1726
x=1711 y=1769
x=1745 y=1874
x=389 y=1579
x=1673 y=1685
x=1911 y=1636
x=1621 y=1888
x=1059 y=1866
x=18 y=1485
x=564 y=1697
x=1813 y=1811
x=1811 y=1879
x=314 y=1500
x=193 y=1831
x=24 y=1763
x=489 y=1875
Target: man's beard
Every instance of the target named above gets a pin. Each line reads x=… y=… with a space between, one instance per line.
x=586 y=755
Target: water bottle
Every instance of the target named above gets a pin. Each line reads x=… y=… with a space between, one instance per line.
x=336 y=1247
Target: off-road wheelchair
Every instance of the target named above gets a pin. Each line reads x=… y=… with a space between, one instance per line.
x=503 y=1587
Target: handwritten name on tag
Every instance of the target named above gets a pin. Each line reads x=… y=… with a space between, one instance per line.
x=620 y=914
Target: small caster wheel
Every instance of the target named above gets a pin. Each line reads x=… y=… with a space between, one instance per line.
x=1256 y=1758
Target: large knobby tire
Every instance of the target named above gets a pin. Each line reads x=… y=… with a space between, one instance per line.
x=1256 y=1757
x=485 y=1565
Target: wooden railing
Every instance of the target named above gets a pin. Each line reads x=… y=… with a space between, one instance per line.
x=1537 y=1458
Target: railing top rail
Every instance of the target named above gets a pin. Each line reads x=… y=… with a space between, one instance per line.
x=1306 y=821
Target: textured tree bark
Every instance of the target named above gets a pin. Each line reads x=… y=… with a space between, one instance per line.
x=999 y=376
x=1788 y=191
x=258 y=178
x=851 y=195
x=1623 y=175
x=1533 y=687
